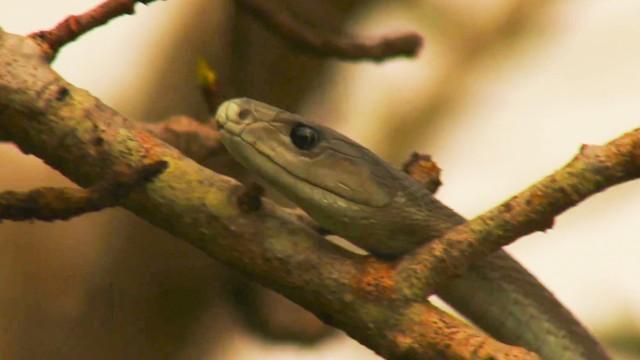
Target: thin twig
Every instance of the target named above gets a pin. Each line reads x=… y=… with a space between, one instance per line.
x=51 y=203
x=73 y=26
x=306 y=39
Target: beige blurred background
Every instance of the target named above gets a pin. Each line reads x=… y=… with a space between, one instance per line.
x=503 y=93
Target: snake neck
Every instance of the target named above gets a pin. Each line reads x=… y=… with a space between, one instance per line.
x=412 y=218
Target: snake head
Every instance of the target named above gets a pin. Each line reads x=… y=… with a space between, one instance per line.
x=341 y=184
x=304 y=160
x=345 y=187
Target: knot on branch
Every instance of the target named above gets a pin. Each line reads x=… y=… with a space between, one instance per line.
x=250 y=198
x=424 y=170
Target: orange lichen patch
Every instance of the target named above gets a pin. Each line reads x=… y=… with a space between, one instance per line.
x=149 y=143
x=403 y=340
x=377 y=278
x=533 y=199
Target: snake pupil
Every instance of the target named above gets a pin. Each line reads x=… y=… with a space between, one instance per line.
x=244 y=114
x=304 y=137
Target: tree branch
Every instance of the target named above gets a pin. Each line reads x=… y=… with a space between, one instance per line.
x=308 y=40
x=49 y=203
x=84 y=139
x=593 y=170
x=73 y=26
x=196 y=140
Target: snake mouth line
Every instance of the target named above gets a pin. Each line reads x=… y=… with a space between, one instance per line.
x=238 y=136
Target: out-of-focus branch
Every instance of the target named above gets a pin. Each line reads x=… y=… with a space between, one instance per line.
x=78 y=135
x=193 y=138
x=199 y=141
x=49 y=203
x=593 y=170
x=311 y=41
x=73 y=26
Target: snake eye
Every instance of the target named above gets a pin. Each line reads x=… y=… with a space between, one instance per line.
x=244 y=114
x=304 y=137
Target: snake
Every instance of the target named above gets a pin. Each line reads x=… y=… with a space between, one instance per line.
x=354 y=194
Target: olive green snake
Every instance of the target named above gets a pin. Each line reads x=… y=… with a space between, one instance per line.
x=353 y=193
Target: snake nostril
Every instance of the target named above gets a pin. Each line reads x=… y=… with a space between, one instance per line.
x=244 y=114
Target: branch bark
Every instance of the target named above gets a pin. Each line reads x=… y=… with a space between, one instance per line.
x=50 y=203
x=73 y=26
x=84 y=139
x=593 y=170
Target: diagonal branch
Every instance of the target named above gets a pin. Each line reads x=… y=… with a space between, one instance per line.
x=73 y=26
x=593 y=170
x=84 y=139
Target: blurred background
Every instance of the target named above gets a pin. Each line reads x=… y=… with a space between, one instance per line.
x=503 y=93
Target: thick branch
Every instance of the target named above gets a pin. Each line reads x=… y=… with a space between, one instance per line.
x=593 y=170
x=84 y=139
x=73 y=26
x=306 y=39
